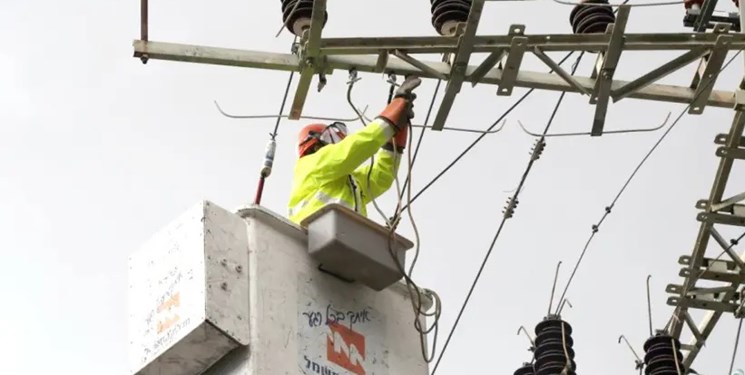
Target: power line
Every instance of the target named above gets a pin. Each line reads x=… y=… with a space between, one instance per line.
x=508 y=213
x=457 y=159
x=282 y=107
x=737 y=342
x=608 y=209
x=284 y=98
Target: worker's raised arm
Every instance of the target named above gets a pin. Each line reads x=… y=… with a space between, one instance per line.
x=337 y=160
x=343 y=158
x=376 y=178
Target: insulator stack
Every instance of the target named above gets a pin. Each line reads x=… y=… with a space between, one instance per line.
x=527 y=369
x=299 y=20
x=662 y=354
x=554 y=347
x=446 y=14
x=591 y=17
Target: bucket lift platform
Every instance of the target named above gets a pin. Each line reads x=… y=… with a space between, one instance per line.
x=223 y=293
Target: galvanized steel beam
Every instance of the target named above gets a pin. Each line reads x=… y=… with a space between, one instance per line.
x=289 y=62
x=546 y=42
x=730 y=274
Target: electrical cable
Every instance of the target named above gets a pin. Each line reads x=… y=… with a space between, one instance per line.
x=737 y=343
x=424 y=128
x=415 y=293
x=480 y=137
x=352 y=80
x=608 y=209
x=284 y=102
x=535 y=155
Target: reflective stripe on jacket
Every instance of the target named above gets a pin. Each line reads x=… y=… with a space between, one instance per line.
x=336 y=173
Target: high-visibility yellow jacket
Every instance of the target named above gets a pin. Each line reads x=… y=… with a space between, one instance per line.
x=336 y=173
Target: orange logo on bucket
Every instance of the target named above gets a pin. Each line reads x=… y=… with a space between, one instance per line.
x=346 y=348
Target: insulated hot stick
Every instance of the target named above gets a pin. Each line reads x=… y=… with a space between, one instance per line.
x=266 y=169
x=271 y=147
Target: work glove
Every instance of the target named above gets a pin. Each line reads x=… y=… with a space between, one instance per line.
x=406 y=91
x=399 y=140
x=400 y=110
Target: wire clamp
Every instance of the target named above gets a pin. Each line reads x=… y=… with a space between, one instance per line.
x=509 y=210
x=537 y=149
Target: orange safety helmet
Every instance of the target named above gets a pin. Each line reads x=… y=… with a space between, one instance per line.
x=313 y=134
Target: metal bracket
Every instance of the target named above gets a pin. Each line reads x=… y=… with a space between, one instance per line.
x=732 y=153
x=486 y=66
x=309 y=52
x=511 y=65
x=714 y=270
x=466 y=34
x=703 y=304
x=419 y=65
x=727 y=203
x=657 y=74
x=560 y=71
x=495 y=57
x=382 y=62
x=700 y=339
x=601 y=92
x=707 y=74
x=717 y=218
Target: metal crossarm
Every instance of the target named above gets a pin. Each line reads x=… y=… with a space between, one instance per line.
x=708 y=71
x=547 y=42
x=658 y=73
x=436 y=70
x=460 y=63
x=729 y=274
x=502 y=67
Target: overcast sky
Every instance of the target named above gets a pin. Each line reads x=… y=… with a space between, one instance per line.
x=98 y=152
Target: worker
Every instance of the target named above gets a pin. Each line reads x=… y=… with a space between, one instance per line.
x=697 y=4
x=329 y=167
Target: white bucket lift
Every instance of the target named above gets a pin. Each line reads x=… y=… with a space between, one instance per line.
x=220 y=293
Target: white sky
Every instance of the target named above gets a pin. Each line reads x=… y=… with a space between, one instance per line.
x=97 y=152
